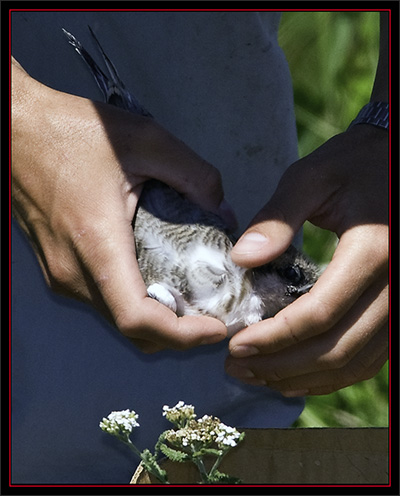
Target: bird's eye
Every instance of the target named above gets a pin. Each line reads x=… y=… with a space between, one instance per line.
x=293 y=274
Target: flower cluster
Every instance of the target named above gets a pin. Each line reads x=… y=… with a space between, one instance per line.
x=227 y=436
x=179 y=414
x=192 y=434
x=120 y=423
x=202 y=433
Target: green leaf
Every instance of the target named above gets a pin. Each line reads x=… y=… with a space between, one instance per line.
x=220 y=478
x=174 y=455
x=160 y=440
x=151 y=465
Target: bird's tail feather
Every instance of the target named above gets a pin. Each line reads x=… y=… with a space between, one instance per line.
x=112 y=87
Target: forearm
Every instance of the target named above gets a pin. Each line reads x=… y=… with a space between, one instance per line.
x=15 y=63
x=18 y=90
x=25 y=93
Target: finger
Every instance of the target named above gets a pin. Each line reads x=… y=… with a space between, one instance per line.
x=273 y=228
x=329 y=381
x=325 y=381
x=351 y=270
x=185 y=171
x=114 y=270
x=157 y=154
x=346 y=353
x=161 y=328
x=179 y=166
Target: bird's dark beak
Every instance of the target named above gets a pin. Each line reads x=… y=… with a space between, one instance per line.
x=295 y=291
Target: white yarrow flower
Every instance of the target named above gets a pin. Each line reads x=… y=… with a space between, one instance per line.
x=120 y=422
x=179 y=414
x=227 y=436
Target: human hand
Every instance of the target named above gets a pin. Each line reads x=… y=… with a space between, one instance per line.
x=78 y=170
x=335 y=335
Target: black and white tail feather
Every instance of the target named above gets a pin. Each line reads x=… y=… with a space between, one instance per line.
x=113 y=88
x=183 y=251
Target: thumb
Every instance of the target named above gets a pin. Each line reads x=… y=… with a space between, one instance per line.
x=263 y=241
x=273 y=228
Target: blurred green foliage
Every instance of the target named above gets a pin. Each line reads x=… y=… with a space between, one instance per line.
x=332 y=57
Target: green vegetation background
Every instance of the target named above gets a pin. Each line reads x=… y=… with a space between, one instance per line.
x=332 y=57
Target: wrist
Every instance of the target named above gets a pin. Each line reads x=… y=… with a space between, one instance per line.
x=24 y=93
x=373 y=140
x=375 y=114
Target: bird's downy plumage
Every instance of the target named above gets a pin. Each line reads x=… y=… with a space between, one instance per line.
x=183 y=251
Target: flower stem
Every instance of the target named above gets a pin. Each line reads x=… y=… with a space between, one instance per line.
x=216 y=464
x=132 y=447
x=149 y=463
x=202 y=469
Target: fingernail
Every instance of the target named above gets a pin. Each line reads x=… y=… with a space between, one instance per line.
x=228 y=215
x=244 y=351
x=239 y=372
x=244 y=374
x=250 y=243
x=293 y=394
